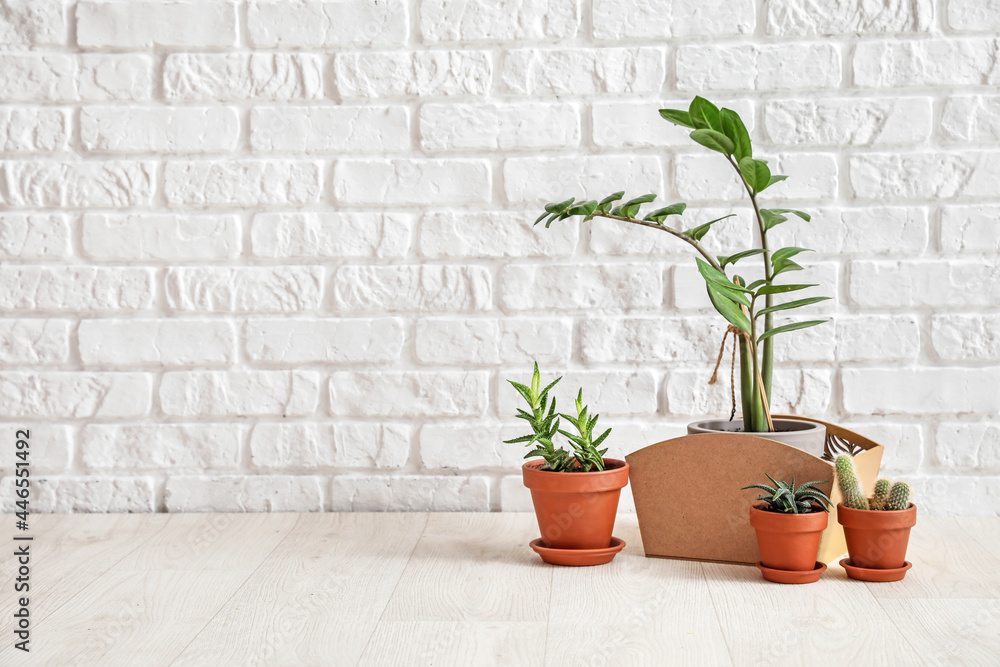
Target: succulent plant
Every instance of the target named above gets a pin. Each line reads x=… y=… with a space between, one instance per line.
x=885 y=497
x=544 y=421
x=899 y=497
x=877 y=501
x=785 y=497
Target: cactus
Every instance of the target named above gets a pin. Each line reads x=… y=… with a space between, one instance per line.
x=899 y=497
x=850 y=487
x=877 y=501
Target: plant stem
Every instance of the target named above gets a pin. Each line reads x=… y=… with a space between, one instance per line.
x=656 y=225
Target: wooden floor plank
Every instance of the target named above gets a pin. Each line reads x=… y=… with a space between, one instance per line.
x=832 y=621
x=633 y=608
x=983 y=529
x=469 y=644
x=317 y=597
x=474 y=567
x=946 y=564
x=949 y=632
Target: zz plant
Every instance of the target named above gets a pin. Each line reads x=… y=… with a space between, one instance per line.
x=749 y=308
x=544 y=421
x=886 y=496
x=787 y=498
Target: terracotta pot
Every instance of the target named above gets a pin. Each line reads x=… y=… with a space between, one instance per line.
x=788 y=541
x=809 y=436
x=576 y=510
x=875 y=539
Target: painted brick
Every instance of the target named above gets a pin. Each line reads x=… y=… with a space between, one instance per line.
x=33 y=23
x=464 y=446
x=144 y=24
x=788 y=17
x=870 y=230
x=311 y=445
x=371 y=75
x=924 y=283
x=971 y=118
x=710 y=177
x=453 y=341
x=851 y=121
x=170 y=342
x=609 y=393
x=961 y=495
x=490 y=20
x=103 y=495
x=75 y=395
x=319 y=24
x=911 y=391
x=498 y=126
x=554 y=286
x=634 y=124
x=227 y=393
x=702 y=67
x=324 y=341
x=358 y=493
x=75 y=288
x=635 y=70
x=115 y=183
x=103 y=77
x=548 y=179
x=409 y=394
x=242 y=76
x=243 y=183
x=690 y=293
x=34 y=236
x=963 y=337
x=970 y=229
x=326 y=129
x=977 y=15
x=804 y=392
x=32 y=130
x=877 y=338
x=330 y=234
x=166 y=130
x=950 y=62
x=925 y=175
x=161 y=236
x=903 y=443
x=238 y=493
x=261 y=289
x=412 y=287
x=968 y=447
x=649 y=339
x=31 y=77
x=490 y=234
x=411 y=181
x=34 y=341
x=160 y=446
x=51 y=449
x=623 y=20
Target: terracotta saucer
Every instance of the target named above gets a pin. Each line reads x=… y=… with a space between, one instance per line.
x=792 y=576
x=578 y=556
x=873 y=574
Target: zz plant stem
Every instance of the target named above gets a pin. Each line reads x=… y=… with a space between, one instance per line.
x=723 y=131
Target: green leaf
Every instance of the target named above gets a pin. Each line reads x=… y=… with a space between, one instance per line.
x=755 y=172
x=698 y=232
x=583 y=208
x=560 y=207
x=660 y=214
x=729 y=310
x=715 y=140
x=792 y=304
x=781 y=289
x=775 y=178
x=612 y=198
x=733 y=127
x=802 y=214
x=678 y=117
x=644 y=199
x=540 y=218
x=732 y=259
x=755 y=284
x=712 y=274
x=794 y=326
x=705 y=115
x=772 y=218
x=781 y=260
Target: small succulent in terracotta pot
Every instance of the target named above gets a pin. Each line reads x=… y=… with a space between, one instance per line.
x=876 y=527
x=575 y=494
x=790 y=521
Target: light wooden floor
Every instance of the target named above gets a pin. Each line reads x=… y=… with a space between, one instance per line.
x=464 y=589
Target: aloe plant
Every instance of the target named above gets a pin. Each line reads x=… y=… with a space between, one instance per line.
x=544 y=421
x=787 y=498
x=741 y=304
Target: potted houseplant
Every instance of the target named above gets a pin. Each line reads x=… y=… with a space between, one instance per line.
x=748 y=307
x=877 y=528
x=575 y=494
x=789 y=521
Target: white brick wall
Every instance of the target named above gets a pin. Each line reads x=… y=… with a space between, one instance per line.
x=260 y=255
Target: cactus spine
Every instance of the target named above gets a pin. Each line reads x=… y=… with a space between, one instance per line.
x=850 y=487
x=899 y=497
x=881 y=493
